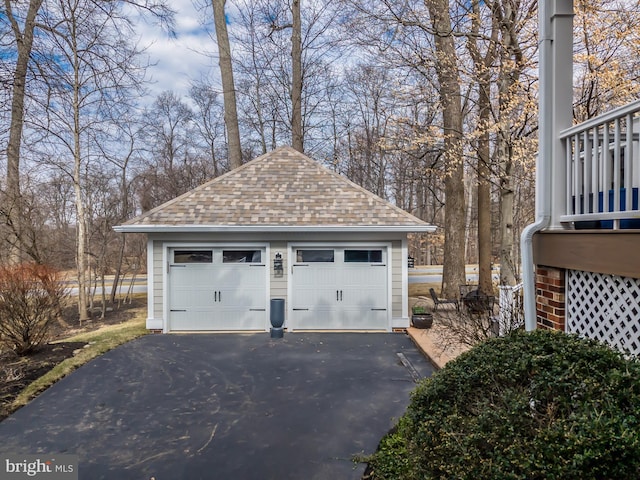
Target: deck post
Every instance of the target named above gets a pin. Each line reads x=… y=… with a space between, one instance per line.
x=561 y=111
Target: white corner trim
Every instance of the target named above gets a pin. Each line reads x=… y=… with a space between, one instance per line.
x=400 y=322
x=154 y=324
x=405 y=278
x=150 y=282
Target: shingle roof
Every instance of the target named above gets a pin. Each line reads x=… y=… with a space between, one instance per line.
x=283 y=188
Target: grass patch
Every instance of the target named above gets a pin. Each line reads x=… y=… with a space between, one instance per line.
x=99 y=341
x=422 y=289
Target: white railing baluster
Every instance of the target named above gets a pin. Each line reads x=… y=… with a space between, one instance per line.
x=586 y=171
x=578 y=176
x=571 y=201
x=616 y=166
x=603 y=170
x=628 y=169
x=596 y=167
x=606 y=182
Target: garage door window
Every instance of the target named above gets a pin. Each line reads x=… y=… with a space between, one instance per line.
x=315 y=256
x=193 y=256
x=363 y=256
x=241 y=256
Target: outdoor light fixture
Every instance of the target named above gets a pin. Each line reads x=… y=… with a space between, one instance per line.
x=278 y=268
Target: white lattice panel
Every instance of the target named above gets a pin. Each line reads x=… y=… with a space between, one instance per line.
x=605 y=308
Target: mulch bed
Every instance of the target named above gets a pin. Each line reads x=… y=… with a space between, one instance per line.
x=16 y=372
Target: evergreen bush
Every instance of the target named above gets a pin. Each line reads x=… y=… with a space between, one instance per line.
x=538 y=405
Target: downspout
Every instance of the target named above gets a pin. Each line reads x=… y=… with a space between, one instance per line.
x=543 y=163
x=555 y=19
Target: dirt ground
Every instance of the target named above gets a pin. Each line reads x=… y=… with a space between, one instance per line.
x=16 y=372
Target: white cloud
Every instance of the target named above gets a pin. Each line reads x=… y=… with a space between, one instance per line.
x=190 y=56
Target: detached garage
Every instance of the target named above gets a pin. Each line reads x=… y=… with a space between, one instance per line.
x=280 y=226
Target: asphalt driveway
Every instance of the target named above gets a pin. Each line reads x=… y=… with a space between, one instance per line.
x=218 y=406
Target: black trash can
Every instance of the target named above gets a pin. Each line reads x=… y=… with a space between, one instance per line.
x=277 y=317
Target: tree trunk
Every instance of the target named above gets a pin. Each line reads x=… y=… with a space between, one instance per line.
x=228 y=85
x=511 y=67
x=485 y=284
x=484 y=60
x=507 y=264
x=453 y=273
x=81 y=228
x=81 y=241
x=24 y=44
x=297 y=134
x=122 y=238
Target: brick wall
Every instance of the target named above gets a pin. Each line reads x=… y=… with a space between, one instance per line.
x=550 y=297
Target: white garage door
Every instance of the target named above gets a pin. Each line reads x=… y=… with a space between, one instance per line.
x=340 y=288
x=217 y=289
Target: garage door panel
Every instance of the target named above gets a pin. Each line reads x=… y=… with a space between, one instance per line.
x=349 y=293
x=193 y=297
x=315 y=285
x=243 y=297
x=310 y=296
x=359 y=317
x=213 y=295
x=191 y=320
x=243 y=285
x=364 y=299
x=365 y=287
x=316 y=317
x=186 y=278
x=315 y=295
x=315 y=275
x=242 y=318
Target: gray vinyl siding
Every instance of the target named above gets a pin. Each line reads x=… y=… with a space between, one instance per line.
x=158 y=268
x=396 y=278
x=279 y=283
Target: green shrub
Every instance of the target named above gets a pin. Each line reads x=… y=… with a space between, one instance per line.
x=539 y=405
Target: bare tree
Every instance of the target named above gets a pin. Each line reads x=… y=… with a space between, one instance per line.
x=209 y=123
x=167 y=128
x=607 y=44
x=24 y=43
x=121 y=150
x=446 y=67
x=513 y=122
x=175 y=159
x=365 y=159
x=94 y=66
x=297 y=134
x=483 y=65
x=285 y=73
x=228 y=84
x=24 y=18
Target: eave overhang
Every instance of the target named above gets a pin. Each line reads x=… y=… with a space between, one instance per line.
x=273 y=228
